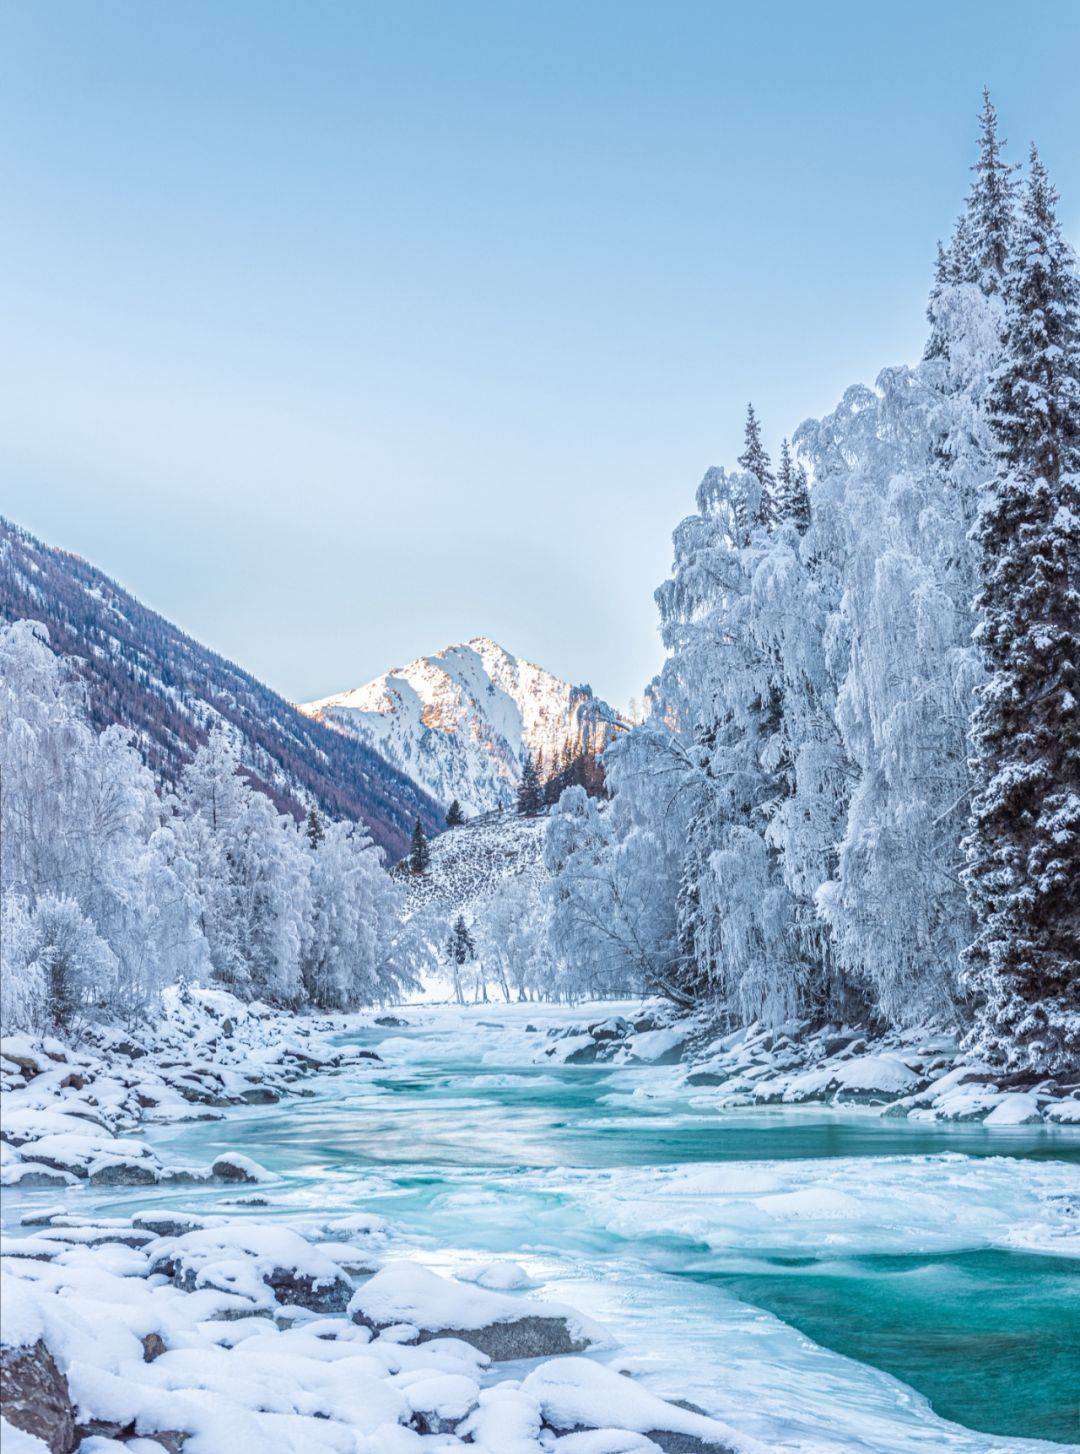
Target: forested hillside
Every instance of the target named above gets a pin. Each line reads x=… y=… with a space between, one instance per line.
x=858 y=794
x=144 y=673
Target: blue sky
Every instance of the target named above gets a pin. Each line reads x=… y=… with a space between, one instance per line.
x=341 y=331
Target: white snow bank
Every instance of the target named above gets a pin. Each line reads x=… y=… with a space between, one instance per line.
x=574 y=1391
x=1016 y=1108
x=498 y=1276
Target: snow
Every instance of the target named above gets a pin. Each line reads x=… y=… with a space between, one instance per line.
x=881 y=1073
x=459 y=722
x=852 y=1206
x=572 y=1391
x=499 y=1276
x=1015 y=1109
x=405 y=1292
x=652 y=1045
x=21 y=1321
x=303 y=1381
x=17 y=1441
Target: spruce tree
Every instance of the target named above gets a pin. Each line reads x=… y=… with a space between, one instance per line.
x=314 y=828
x=755 y=460
x=1023 y=848
x=454 y=815
x=792 y=495
x=529 y=797
x=460 y=947
x=982 y=244
x=420 y=853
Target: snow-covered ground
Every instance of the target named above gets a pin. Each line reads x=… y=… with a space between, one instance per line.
x=470 y=863
x=354 y=1247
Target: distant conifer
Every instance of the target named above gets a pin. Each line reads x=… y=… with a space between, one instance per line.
x=529 y=797
x=420 y=853
x=792 y=498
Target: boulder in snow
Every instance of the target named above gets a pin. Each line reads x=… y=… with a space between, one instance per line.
x=234 y=1167
x=438 y=1307
x=35 y=1396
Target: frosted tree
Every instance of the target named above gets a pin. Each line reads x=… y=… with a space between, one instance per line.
x=899 y=471
x=55 y=964
x=24 y=990
x=252 y=874
x=512 y=931
x=461 y=951
x=792 y=492
x=83 y=838
x=755 y=461
x=455 y=817
x=981 y=250
x=340 y=955
x=611 y=896
x=110 y=891
x=722 y=688
x=810 y=728
x=1023 y=850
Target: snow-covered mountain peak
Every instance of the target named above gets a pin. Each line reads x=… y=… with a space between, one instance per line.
x=461 y=720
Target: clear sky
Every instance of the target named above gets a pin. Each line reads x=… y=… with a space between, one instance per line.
x=339 y=331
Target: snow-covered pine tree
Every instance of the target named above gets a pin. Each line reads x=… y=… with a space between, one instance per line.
x=530 y=798
x=755 y=461
x=1023 y=850
x=980 y=250
x=791 y=498
x=420 y=851
x=461 y=946
x=454 y=815
x=314 y=828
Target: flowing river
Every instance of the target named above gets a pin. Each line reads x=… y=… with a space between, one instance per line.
x=823 y=1280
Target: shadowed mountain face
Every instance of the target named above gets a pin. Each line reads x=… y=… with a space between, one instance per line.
x=146 y=674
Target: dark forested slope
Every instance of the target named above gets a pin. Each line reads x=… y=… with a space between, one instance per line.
x=145 y=673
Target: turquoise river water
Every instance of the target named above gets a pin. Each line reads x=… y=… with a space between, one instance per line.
x=822 y=1280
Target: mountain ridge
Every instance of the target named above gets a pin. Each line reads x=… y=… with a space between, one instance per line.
x=460 y=721
x=147 y=674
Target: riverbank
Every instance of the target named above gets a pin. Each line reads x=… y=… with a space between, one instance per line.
x=921 y=1074
x=693 y=1244
x=169 y=1330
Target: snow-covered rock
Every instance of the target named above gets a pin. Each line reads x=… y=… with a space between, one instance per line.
x=439 y=1307
x=258 y=1261
x=67 y=1115
x=575 y=1392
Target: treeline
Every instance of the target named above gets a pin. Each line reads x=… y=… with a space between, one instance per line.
x=857 y=794
x=112 y=889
